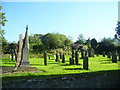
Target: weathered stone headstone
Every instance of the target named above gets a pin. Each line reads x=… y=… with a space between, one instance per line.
x=103 y=53
x=25 y=51
x=19 y=55
x=63 y=58
x=60 y=55
x=45 y=58
x=71 y=61
x=114 y=57
x=76 y=57
x=92 y=52
x=108 y=55
x=85 y=61
x=82 y=55
x=57 y=57
x=89 y=52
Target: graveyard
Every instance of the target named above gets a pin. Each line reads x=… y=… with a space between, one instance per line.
x=76 y=61
x=53 y=60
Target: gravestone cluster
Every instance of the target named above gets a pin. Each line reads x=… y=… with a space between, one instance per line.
x=23 y=52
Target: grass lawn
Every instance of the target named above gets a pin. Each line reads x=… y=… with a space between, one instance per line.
x=58 y=68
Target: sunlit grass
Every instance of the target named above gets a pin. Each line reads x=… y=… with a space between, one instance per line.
x=56 y=68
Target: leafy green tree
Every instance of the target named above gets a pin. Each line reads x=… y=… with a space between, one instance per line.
x=55 y=40
x=34 y=40
x=94 y=43
x=2 y=21
x=81 y=39
x=106 y=45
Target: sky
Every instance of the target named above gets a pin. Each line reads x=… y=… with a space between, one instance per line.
x=92 y=19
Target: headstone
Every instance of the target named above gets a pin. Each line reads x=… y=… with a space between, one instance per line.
x=114 y=57
x=45 y=58
x=103 y=53
x=60 y=55
x=89 y=52
x=85 y=61
x=19 y=55
x=82 y=55
x=76 y=57
x=57 y=60
x=25 y=51
x=71 y=61
x=63 y=58
x=92 y=52
x=12 y=54
x=108 y=55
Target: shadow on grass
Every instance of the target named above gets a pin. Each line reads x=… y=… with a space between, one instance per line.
x=116 y=73
x=73 y=69
x=68 y=64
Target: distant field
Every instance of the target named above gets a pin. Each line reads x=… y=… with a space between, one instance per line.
x=56 y=68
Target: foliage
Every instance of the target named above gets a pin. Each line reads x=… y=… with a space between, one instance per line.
x=106 y=45
x=55 y=40
x=2 y=21
x=93 y=43
x=81 y=39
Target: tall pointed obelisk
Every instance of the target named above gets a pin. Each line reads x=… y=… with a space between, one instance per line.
x=25 y=51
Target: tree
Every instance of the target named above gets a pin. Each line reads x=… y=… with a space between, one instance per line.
x=55 y=40
x=2 y=21
x=94 y=43
x=106 y=45
x=81 y=39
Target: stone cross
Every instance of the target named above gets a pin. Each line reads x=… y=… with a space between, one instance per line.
x=25 y=51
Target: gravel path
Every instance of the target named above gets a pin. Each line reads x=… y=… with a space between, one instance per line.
x=105 y=80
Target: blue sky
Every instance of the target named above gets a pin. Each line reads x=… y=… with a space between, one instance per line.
x=92 y=19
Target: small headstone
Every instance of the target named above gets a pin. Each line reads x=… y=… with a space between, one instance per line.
x=108 y=55
x=71 y=61
x=114 y=57
x=82 y=55
x=57 y=57
x=103 y=53
x=45 y=58
x=92 y=52
x=85 y=62
x=63 y=58
x=60 y=55
x=76 y=57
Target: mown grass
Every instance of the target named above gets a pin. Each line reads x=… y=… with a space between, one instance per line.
x=58 y=68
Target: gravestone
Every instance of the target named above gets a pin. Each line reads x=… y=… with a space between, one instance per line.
x=89 y=52
x=103 y=53
x=82 y=55
x=71 y=61
x=63 y=58
x=108 y=55
x=19 y=55
x=60 y=55
x=114 y=57
x=25 y=51
x=85 y=61
x=45 y=58
x=57 y=57
x=92 y=52
x=76 y=57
